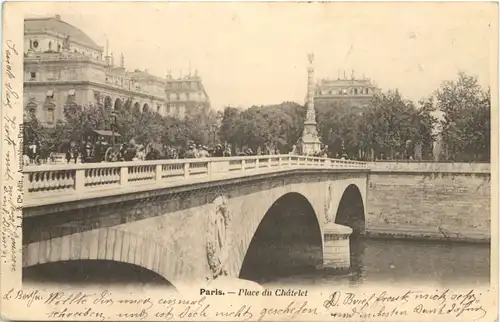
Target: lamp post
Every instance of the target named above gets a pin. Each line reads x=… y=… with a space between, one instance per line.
x=113 y=125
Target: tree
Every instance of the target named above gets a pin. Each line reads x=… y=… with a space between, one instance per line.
x=79 y=119
x=229 y=129
x=466 y=125
x=277 y=126
x=31 y=128
x=339 y=128
x=392 y=121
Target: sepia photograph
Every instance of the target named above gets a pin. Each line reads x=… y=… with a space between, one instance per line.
x=244 y=150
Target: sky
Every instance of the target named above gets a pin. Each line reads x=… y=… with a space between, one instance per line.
x=256 y=53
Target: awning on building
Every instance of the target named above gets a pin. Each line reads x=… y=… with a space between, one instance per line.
x=106 y=133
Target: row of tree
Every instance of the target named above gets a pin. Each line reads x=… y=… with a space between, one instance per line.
x=128 y=122
x=391 y=126
x=466 y=126
x=278 y=126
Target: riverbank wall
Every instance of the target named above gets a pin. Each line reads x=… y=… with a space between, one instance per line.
x=424 y=200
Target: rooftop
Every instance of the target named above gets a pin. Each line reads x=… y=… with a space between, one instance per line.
x=56 y=25
x=343 y=81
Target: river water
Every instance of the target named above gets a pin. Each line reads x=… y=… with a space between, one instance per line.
x=392 y=262
x=374 y=261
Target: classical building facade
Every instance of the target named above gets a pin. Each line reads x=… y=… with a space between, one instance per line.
x=186 y=96
x=347 y=92
x=62 y=64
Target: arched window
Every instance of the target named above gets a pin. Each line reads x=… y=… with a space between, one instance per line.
x=137 y=107
x=108 y=102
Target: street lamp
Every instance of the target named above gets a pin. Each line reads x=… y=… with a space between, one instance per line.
x=113 y=125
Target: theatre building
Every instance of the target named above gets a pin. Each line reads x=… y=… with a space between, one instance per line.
x=351 y=93
x=64 y=65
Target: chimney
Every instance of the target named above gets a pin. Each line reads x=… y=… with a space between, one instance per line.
x=58 y=17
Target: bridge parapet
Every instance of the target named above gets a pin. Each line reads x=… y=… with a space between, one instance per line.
x=45 y=184
x=423 y=166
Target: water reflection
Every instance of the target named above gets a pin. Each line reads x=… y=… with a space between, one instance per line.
x=389 y=261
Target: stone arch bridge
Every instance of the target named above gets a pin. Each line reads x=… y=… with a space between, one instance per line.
x=193 y=220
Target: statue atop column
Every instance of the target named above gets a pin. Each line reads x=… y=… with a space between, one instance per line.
x=310 y=141
x=311 y=58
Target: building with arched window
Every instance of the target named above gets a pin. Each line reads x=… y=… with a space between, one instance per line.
x=350 y=93
x=64 y=65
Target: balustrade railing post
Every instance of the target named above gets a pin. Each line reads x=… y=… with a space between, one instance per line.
x=124 y=175
x=158 y=172
x=269 y=162
x=279 y=162
x=26 y=182
x=79 y=180
x=242 y=164
x=186 y=169
x=209 y=168
x=257 y=163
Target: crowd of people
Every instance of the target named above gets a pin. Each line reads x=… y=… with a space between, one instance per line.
x=102 y=151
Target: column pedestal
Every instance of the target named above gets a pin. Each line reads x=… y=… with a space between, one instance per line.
x=336 y=252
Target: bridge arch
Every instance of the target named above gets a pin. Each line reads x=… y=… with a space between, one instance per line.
x=93 y=271
x=287 y=239
x=103 y=245
x=351 y=210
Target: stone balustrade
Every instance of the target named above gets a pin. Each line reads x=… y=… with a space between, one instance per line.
x=50 y=57
x=56 y=180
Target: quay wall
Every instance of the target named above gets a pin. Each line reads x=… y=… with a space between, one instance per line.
x=424 y=200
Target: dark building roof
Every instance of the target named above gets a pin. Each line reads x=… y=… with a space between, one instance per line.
x=56 y=25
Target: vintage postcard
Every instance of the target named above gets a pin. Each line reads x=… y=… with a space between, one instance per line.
x=249 y=161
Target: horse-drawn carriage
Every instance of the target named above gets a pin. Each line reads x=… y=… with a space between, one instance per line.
x=101 y=145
